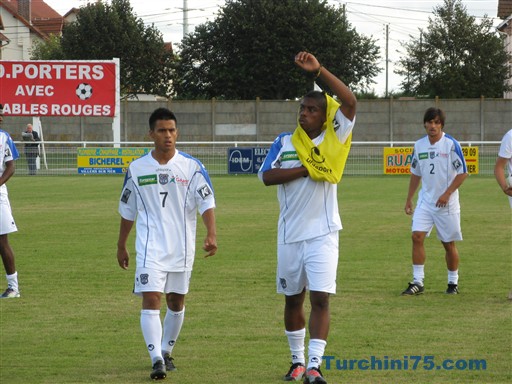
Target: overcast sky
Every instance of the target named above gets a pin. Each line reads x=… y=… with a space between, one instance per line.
x=368 y=17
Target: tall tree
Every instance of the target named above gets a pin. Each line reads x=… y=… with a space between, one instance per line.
x=105 y=31
x=456 y=57
x=49 y=49
x=248 y=50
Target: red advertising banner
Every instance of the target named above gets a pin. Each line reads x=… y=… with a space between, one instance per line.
x=58 y=88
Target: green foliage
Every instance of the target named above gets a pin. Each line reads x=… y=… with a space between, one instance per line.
x=50 y=49
x=456 y=57
x=78 y=322
x=105 y=31
x=248 y=51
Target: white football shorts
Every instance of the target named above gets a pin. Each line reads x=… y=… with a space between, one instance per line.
x=7 y=224
x=447 y=225
x=151 y=280
x=310 y=264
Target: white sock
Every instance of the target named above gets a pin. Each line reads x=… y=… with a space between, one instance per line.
x=453 y=277
x=12 y=281
x=296 y=343
x=418 y=274
x=315 y=352
x=152 y=332
x=172 y=327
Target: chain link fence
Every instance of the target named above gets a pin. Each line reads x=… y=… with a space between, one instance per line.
x=365 y=159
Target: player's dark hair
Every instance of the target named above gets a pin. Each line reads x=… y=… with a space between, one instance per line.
x=432 y=113
x=319 y=97
x=160 y=114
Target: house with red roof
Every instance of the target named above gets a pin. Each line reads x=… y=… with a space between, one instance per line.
x=22 y=24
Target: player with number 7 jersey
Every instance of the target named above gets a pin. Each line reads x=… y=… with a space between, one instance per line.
x=162 y=192
x=165 y=199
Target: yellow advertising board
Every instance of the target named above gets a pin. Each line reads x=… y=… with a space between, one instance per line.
x=397 y=160
x=107 y=160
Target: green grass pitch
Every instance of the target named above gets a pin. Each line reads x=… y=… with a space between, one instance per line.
x=77 y=321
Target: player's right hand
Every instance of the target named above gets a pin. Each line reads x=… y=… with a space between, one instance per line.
x=123 y=258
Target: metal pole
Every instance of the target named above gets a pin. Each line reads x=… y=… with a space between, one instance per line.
x=185 y=18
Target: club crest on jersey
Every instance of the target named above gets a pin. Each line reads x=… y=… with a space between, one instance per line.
x=163 y=178
x=144 y=278
x=204 y=191
x=126 y=195
x=432 y=155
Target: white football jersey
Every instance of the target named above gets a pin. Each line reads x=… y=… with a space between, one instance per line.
x=438 y=164
x=506 y=150
x=8 y=152
x=308 y=208
x=164 y=201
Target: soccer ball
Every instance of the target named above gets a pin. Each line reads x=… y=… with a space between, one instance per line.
x=84 y=91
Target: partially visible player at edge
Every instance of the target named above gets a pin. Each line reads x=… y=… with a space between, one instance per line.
x=163 y=191
x=439 y=165
x=309 y=223
x=504 y=161
x=8 y=153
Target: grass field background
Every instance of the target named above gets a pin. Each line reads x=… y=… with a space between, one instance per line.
x=77 y=321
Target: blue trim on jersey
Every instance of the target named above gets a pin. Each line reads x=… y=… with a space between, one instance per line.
x=12 y=146
x=326 y=213
x=273 y=152
x=458 y=151
x=126 y=179
x=136 y=188
x=202 y=169
x=186 y=199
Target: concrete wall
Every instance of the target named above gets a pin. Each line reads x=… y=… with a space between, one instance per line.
x=212 y=120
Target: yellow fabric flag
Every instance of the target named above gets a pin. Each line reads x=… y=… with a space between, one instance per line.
x=326 y=161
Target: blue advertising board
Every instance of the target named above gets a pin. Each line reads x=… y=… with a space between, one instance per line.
x=245 y=160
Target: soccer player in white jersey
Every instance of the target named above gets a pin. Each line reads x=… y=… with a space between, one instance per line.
x=504 y=161
x=439 y=165
x=308 y=225
x=8 y=153
x=162 y=192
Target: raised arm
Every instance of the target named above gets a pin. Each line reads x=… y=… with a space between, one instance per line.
x=309 y=62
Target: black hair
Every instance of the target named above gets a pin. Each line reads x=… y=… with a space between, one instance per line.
x=160 y=114
x=432 y=113
x=319 y=97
